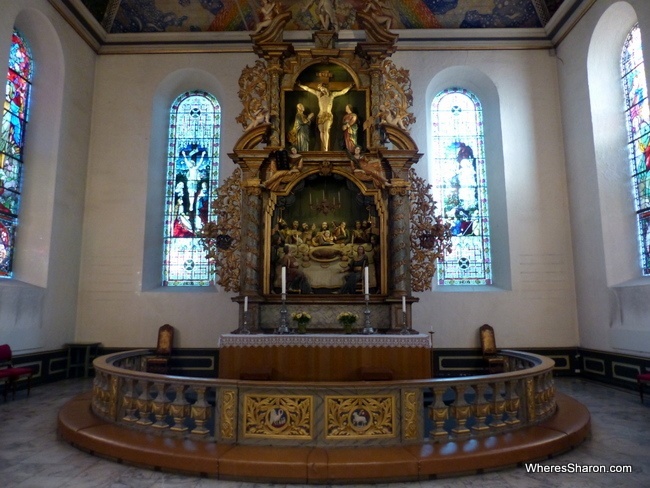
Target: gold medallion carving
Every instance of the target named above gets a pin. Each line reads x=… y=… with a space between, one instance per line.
x=278 y=416
x=360 y=416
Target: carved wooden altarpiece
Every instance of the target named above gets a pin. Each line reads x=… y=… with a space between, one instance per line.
x=299 y=186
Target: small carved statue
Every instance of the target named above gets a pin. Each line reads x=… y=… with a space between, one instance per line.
x=379 y=12
x=368 y=168
x=269 y=9
x=326 y=13
x=281 y=165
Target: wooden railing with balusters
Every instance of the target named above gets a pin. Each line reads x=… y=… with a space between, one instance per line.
x=382 y=413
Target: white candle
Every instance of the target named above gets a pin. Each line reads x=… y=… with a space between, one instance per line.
x=284 y=280
x=404 y=304
x=245 y=304
x=366 y=287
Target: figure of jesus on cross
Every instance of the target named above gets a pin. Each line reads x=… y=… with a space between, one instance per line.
x=325 y=103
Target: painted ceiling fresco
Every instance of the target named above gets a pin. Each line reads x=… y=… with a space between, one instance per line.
x=242 y=15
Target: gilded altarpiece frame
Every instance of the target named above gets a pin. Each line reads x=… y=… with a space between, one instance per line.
x=317 y=181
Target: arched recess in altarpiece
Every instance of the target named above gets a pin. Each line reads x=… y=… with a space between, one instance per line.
x=324 y=220
x=349 y=100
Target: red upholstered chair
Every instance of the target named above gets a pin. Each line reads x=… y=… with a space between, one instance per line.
x=12 y=374
x=160 y=362
x=642 y=379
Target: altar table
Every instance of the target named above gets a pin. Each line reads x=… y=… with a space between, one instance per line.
x=324 y=357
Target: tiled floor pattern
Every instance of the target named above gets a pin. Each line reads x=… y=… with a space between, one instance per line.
x=31 y=456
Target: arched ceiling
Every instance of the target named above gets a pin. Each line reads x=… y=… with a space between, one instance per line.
x=131 y=16
x=121 y=26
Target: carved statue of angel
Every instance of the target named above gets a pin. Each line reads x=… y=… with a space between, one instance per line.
x=378 y=11
x=259 y=114
x=391 y=117
x=268 y=11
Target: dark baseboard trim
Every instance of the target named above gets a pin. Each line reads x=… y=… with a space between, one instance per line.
x=467 y=362
x=605 y=367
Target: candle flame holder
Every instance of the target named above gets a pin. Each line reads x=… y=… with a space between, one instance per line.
x=367 y=328
x=283 y=327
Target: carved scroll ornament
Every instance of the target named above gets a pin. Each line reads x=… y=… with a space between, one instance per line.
x=253 y=92
x=396 y=97
x=430 y=237
x=222 y=239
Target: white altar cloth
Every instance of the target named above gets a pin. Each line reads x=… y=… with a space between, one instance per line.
x=325 y=340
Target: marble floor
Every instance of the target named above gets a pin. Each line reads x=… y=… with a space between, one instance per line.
x=31 y=456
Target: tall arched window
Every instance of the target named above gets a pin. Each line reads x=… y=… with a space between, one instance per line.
x=192 y=179
x=638 y=136
x=12 y=141
x=460 y=186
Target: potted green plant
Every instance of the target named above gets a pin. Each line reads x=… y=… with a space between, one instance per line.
x=302 y=320
x=347 y=320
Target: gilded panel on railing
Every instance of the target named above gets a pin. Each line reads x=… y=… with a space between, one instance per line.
x=228 y=413
x=278 y=416
x=113 y=397
x=180 y=407
x=360 y=416
x=410 y=408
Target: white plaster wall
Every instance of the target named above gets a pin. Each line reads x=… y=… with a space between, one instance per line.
x=613 y=299
x=38 y=307
x=537 y=308
x=119 y=302
x=534 y=305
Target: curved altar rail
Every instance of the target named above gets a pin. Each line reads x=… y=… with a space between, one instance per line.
x=324 y=413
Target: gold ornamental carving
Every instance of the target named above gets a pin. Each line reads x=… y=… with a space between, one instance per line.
x=221 y=239
x=228 y=415
x=410 y=407
x=254 y=84
x=360 y=417
x=430 y=237
x=396 y=97
x=278 y=416
x=113 y=397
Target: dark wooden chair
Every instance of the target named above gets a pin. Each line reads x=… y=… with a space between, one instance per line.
x=10 y=373
x=495 y=363
x=642 y=379
x=159 y=363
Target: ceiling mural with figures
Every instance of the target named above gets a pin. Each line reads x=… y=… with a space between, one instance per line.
x=132 y=16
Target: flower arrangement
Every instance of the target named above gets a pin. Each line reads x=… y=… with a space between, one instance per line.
x=347 y=320
x=302 y=319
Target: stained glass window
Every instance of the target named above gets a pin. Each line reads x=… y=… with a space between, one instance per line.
x=192 y=179
x=460 y=187
x=638 y=136
x=12 y=138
